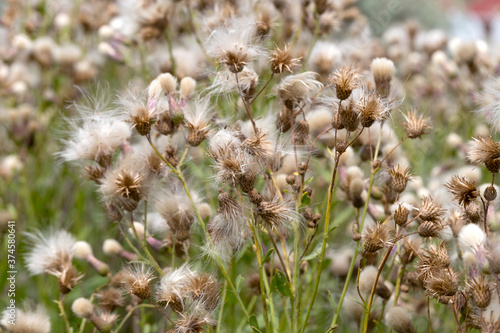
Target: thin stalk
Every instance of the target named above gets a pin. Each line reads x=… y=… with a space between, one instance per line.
x=245 y=103
x=221 y=311
x=401 y=272
x=262 y=279
x=63 y=313
x=325 y=239
x=184 y=154
x=314 y=40
x=136 y=251
x=281 y=261
x=393 y=149
x=261 y=90
x=372 y=294
x=129 y=313
x=456 y=314
x=357 y=248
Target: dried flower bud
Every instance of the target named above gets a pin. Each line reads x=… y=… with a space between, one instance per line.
x=481 y=293
x=399 y=177
x=401 y=212
x=490 y=193
x=429 y=210
x=493 y=165
x=416 y=125
x=283 y=60
x=345 y=79
x=137 y=280
x=301 y=133
x=349 y=115
x=464 y=191
x=376 y=238
x=429 y=229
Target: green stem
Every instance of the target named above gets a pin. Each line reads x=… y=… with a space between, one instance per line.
x=221 y=311
x=63 y=313
x=325 y=240
x=131 y=311
x=357 y=248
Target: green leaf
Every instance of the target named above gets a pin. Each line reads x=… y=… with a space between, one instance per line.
x=254 y=324
x=332 y=228
x=268 y=255
x=316 y=252
x=306 y=199
x=282 y=284
x=239 y=283
x=332 y=301
x=308 y=180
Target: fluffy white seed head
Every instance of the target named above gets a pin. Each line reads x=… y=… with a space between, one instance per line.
x=47 y=249
x=82 y=308
x=187 y=87
x=167 y=82
x=139 y=229
x=111 y=246
x=399 y=320
x=95 y=134
x=382 y=69
x=367 y=278
x=472 y=236
x=82 y=250
x=32 y=320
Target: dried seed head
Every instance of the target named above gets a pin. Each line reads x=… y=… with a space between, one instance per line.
x=283 y=60
x=349 y=115
x=128 y=184
x=399 y=177
x=481 y=150
x=493 y=165
x=474 y=212
x=382 y=70
x=429 y=229
x=481 y=293
x=376 y=238
x=371 y=110
x=435 y=258
x=415 y=125
x=429 y=210
x=490 y=193
x=297 y=88
x=442 y=283
x=204 y=288
x=337 y=121
x=345 y=79
x=110 y=299
x=464 y=191
x=137 y=280
x=141 y=118
x=301 y=133
x=277 y=215
x=400 y=213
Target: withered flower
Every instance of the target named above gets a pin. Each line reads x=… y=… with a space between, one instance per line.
x=416 y=125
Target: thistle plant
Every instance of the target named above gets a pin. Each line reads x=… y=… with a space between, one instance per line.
x=183 y=166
